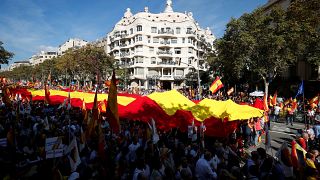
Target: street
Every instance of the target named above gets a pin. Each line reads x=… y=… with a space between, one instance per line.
x=280 y=132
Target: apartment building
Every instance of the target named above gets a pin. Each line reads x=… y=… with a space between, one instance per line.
x=159 y=49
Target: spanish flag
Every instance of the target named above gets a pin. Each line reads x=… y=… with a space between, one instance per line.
x=112 y=106
x=216 y=85
x=274 y=99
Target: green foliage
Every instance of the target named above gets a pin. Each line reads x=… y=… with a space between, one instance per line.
x=5 y=55
x=255 y=43
x=263 y=44
x=75 y=64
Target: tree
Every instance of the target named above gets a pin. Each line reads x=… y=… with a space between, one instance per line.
x=303 y=17
x=5 y=55
x=255 y=43
x=95 y=62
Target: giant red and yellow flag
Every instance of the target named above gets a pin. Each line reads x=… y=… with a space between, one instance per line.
x=216 y=85
x=112 y=106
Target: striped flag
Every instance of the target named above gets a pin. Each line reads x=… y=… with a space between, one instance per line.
x=216 y=85
x=112 y=106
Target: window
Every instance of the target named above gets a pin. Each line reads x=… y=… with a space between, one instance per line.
x=178 y=30
x=183 y=40
x=189 y=60
x=139 y=28
x=153 y=60
x=153 y=30
x=151 y=49
x=139 y=38
x=139 y=59
x=174 y=41
x=177 y=50
x=131 y=31
x=139 y=71
x=190 y=50
x=155 y=40
x=189 y=30
x=149 y=39
x=167 y=72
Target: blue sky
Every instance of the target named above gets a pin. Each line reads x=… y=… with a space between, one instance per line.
x=28 y=26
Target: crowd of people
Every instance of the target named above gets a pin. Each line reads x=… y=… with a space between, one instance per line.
x=137 y=152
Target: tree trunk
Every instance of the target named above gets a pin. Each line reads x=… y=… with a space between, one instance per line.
x=318 y=78
x=266 y=87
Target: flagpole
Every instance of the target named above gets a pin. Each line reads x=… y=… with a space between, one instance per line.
x=304 y=109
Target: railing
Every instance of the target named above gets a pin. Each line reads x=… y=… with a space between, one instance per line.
x=167 y=63
x=191 y=32
x=164 y=52
x=164 y=42
x=124 y=54
x=153 y=76
x=123 y=35
x=165 y=32
x=178 y=77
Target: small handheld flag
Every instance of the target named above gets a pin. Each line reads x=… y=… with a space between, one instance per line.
x=216 y=85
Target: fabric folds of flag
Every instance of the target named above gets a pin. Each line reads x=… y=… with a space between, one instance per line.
x=274 y=99
x=300 y=90
x=93 y=120
x=216 y=85
x=112 y=106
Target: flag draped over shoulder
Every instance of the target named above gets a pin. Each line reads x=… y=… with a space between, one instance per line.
x=112 y=106
x=216 y=85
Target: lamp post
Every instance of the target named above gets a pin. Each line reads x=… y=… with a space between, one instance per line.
x=199 y=85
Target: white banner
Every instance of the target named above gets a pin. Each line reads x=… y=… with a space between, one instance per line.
x=54 y=147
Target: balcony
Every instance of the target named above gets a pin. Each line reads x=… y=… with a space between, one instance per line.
x=124 y=35
x=191 y=32
x=178 y=77
x=164 y=52
x=166 y=63
x=153 y=76
x=166 y=32
x=124 y=54
x=123 y=45
x=165 y=42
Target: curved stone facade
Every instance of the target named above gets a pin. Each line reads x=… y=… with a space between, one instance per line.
x=158 y=50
